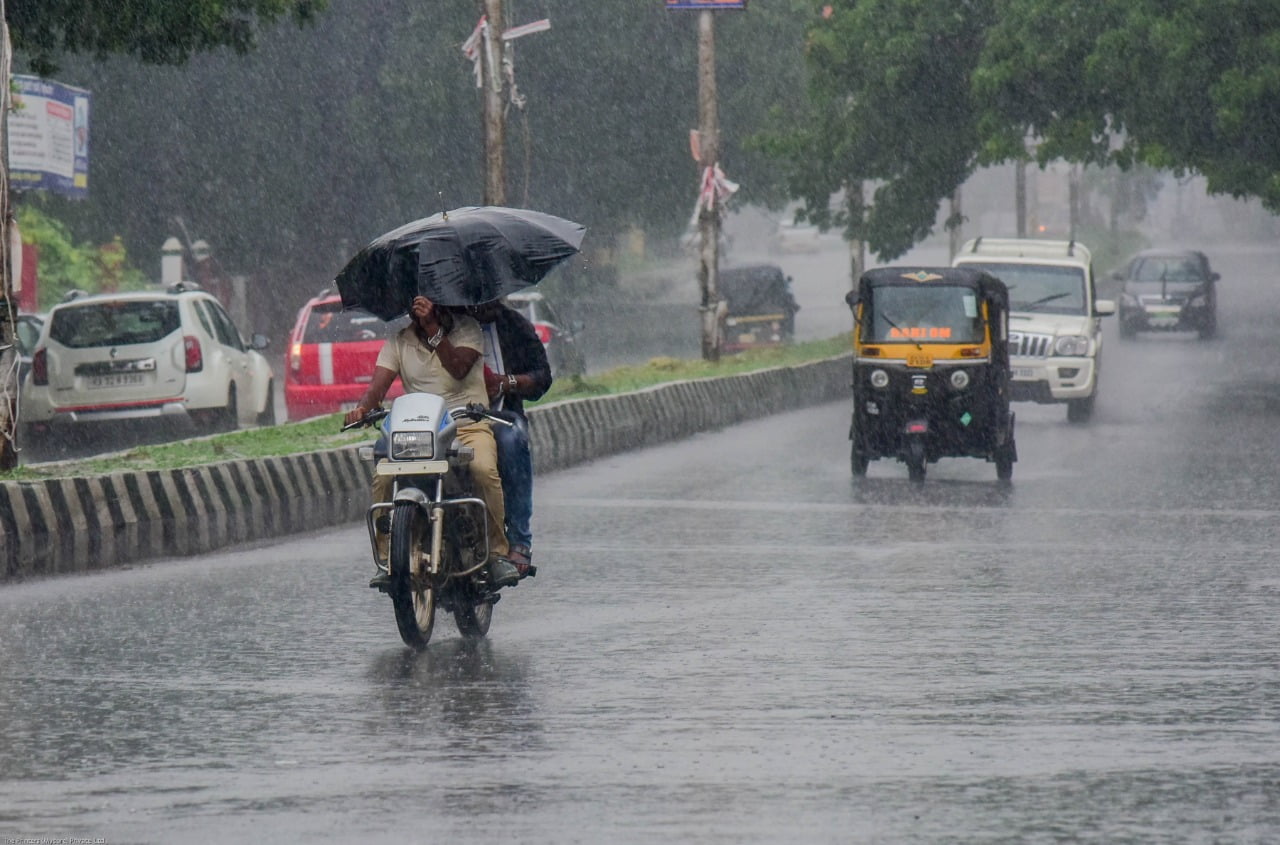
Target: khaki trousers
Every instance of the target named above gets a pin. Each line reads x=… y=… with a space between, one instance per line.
x=484 y=475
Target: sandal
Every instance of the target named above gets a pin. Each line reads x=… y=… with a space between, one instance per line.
x=521 y=556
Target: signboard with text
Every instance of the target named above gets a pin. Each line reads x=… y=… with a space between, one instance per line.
x=706 y=4
x=49 y=137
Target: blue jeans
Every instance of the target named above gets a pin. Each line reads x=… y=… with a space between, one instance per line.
x=515 y=465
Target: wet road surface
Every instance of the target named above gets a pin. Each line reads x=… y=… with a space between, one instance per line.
x=730 y=641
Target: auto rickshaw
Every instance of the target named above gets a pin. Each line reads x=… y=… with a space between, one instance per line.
x=760 y=309
x=931 y=368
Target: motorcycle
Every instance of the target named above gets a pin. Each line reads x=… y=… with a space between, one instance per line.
x=439 y=542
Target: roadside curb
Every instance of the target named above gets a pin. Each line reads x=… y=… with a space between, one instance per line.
x=68 y=525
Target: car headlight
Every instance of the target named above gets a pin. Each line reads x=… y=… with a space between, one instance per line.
x=879 y=378
x=1071 y=344
x=959 y=379
x=411 y=445
x=1129 y=299
x=1197 y=301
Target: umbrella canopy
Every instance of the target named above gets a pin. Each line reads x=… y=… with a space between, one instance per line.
x=462 y=257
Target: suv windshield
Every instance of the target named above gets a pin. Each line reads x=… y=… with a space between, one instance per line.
x=922 y=314
x=114 y=322
x=1037 y=287
x=328 y=323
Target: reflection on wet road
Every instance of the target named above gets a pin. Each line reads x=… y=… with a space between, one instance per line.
x=729 y=640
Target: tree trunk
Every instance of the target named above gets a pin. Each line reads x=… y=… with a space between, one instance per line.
x=9 y=307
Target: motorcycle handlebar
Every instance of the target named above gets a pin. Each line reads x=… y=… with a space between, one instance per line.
x=477 y=412
x=368 y=419
x=473 y=411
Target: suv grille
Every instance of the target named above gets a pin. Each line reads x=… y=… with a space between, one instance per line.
x=1029 y=345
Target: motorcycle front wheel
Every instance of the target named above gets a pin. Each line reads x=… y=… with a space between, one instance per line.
x=412 y=595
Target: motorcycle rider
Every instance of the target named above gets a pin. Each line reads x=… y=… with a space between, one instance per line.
x=516 y=369
x=442 y=352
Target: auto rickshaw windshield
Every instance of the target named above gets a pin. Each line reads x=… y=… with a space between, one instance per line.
x=922 y=314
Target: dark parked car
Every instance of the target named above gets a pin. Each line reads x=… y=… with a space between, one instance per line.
x=1168 y=290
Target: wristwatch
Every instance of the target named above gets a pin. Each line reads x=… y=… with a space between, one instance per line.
x=436 y=339
x=511 y=383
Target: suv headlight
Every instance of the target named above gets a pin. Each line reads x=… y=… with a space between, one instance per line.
x=413 y=445
x=1071 y=344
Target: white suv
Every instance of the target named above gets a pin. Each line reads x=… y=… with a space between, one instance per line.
x=1055 y=335
x=170 y=353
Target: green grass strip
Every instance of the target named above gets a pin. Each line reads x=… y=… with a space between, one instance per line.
x=322 y=433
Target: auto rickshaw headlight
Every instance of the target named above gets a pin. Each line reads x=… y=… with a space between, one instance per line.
x=1071 y=344
x=959 y=379
x=879 y=378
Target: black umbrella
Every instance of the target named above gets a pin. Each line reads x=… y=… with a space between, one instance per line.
x=462 y=257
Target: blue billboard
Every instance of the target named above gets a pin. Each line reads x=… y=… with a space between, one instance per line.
x=49 y=137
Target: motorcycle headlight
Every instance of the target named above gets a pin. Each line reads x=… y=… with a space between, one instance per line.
x=960 y=379
x=879 y=378
x=1071 y=344
x=413 y=445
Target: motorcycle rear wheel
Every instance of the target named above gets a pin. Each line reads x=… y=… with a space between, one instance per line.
x=412 y=596
x=473 y=619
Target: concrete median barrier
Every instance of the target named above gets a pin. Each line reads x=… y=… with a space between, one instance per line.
x=73 y=525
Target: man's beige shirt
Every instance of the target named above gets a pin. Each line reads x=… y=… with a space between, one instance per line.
x=421 y=371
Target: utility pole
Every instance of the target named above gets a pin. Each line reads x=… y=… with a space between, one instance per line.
x=8 y=308
x=709 y=215
x=855 y=205
x=1020 y=196
x=495 y=120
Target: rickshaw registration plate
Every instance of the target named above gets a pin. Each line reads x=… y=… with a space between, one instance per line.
x=919 y=359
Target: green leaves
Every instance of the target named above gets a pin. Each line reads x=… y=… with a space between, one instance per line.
x=925 y=91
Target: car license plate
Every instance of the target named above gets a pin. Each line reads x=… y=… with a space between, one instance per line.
x=919 y=359
x=116 y=380
x=1024 y=372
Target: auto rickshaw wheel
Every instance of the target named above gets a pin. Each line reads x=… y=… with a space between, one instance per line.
x=915 y=460
x=858 y=460
x=1004 y=463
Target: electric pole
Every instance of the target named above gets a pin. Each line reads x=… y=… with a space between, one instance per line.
x=709 y=213
x=495 y=129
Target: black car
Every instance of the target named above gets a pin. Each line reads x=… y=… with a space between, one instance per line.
x=1168 y=290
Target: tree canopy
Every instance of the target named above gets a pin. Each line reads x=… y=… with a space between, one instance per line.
x=287 y=159
x=915 y=95
x=153 y=31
